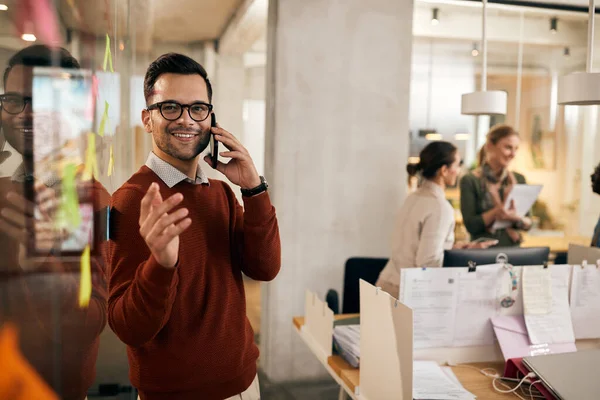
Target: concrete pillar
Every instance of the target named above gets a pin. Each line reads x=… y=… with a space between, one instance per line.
x=338 y=85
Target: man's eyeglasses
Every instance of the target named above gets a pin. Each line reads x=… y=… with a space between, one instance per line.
x=172 y=111
x=14 y=103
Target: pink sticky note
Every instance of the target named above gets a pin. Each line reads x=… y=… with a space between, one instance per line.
x=38 y=17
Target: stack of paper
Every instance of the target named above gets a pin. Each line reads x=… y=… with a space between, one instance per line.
x=430 y=382
x=346 y=340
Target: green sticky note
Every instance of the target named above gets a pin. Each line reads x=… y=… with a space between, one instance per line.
x=107 y=56
x=68 y=216
x=104 y=119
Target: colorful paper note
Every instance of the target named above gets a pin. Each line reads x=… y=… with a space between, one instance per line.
x=68 y=216
x=91 y=164
x=104 y=119
x=111 y=162
x=18 y=380
x=85 y=284
x=107 y=56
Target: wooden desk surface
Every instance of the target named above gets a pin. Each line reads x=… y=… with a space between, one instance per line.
x=471 y=379
x=556 y=244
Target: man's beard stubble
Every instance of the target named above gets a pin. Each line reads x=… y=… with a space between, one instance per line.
x=167 y=145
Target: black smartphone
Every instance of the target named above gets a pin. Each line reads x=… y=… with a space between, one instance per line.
x=214 y=144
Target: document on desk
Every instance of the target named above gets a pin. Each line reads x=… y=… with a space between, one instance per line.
x=523 y=196
x=431 y=293
x=585 y=302
x=431 y=383
x=555 y=326
x=477 y=301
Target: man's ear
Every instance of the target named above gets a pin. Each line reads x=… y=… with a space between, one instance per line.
x=147 y=121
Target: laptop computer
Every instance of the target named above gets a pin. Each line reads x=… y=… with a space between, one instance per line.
x=568 y=376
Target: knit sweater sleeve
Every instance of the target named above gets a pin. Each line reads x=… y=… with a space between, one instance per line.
x=256 y=237
x=141 y=291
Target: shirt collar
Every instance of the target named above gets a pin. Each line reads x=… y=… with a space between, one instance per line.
x=20 y=174
x=170 y=175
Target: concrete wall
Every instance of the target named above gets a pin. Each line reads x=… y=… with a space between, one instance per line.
x=337 y=146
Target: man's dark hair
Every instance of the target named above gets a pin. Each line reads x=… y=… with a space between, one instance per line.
x=173 y=63
x=40 y=55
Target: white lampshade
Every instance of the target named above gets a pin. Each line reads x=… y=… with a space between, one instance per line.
x=490 y=102
x=579 y=89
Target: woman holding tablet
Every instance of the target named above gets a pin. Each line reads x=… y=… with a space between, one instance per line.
x=424 y=226
x=484 y=191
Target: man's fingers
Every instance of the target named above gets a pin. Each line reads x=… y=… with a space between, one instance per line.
x=230 y=141
x=21 y=204
x=164 y=222
x=146 y=203
x=158 y=211
x=237 y=155
x=14 y=217
x=9 y=229
x=171 y=233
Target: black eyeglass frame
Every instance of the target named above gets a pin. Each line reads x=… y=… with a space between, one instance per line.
x=160 y=104
x=5 y=96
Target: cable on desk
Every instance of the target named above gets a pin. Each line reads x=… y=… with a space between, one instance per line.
x=513 y=390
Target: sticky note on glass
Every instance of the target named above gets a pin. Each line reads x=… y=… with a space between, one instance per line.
x=85 y=284
x=91 y=164
x=68 y=215
x=107 y=56
x=537 y=290
x=19 y=380
x=111 y=162
x=104 y=119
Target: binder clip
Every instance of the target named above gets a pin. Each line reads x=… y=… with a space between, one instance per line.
x=597 y=263
x=545 y=264
x=377 y=290
x=396 y=304
x=583 y=264
x=472 y=266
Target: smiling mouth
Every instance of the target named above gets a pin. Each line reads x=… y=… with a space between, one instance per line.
x=184 y=135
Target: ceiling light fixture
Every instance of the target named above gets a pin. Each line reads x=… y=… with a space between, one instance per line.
x=554 y=25
x=28 y=37
x=475 y=51
x=3 y=7
x=582 y=88
x=414 y=160
x=484 y=102
x=461 y=136
x=434 y=17
x=433 y=136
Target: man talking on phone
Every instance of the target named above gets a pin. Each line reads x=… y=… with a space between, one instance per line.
x=180 y=243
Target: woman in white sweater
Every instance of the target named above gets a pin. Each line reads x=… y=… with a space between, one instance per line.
x=425 y=223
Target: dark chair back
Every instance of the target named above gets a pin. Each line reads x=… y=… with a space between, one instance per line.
x=358 y=268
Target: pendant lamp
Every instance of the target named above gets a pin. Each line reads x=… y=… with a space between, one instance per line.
x=484 y=102
x=582 y=88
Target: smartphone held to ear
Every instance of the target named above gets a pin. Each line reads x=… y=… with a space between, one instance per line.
x=214 y=144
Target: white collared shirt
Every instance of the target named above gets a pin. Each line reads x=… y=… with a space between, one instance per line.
x=170 y=175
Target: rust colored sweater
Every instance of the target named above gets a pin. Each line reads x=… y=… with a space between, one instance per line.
x=186 y=328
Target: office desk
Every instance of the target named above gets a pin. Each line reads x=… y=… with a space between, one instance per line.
x=348 y=377
x=557 y=244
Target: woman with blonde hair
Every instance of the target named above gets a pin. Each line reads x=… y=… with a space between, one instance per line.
x=484 y=191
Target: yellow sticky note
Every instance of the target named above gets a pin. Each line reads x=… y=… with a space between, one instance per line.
x=111 y=162
x=68 y=215
x=85 y=284
x=91 y=164
x=104 y=119
x=107 y=56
